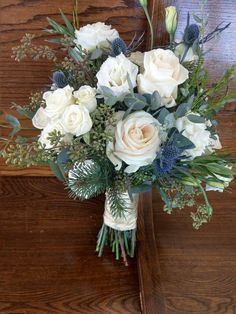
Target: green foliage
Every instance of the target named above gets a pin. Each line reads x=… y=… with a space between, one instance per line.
x=89 y=178
x=28 y=49
x=68 y=29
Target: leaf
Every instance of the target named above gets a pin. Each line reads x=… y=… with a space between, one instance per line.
x=14 y=122
x=182 y=109
x=131 y=87
x=97 y=53
x=169 y=120
x=162 y=115
x=155 y=101
x=195 y=118
x=57 y=171
x=109 y=97
x=183 y=142
x=86 y=138
x=136 y=101
x=55 y=41
x=58 y=28
x=74 y=53
x=25 y=112
x=21 y=139
x=68 y=24
x=197 y=19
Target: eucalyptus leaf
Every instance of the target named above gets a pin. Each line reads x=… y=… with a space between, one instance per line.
x=195 y=118
x=97 y=53
x=162 y=115
x=21 y=139
x=197 y=19
x=155 y=101
x=57 y=171
x=182 y=109
x=136 y=101
x=183 y=142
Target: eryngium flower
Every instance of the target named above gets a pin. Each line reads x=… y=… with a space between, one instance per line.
x=118 y=47
x=59 y=79
x=191 y=33
x=170 y=152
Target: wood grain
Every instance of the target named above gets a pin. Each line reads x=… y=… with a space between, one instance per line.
x=48 y=261
x=150 y=283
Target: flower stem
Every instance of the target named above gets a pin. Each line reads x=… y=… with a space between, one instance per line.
x=150 y=26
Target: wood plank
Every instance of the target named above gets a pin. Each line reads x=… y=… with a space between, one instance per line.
x=150 y=283
x=47 y=254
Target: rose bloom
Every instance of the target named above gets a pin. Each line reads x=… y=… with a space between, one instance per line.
x=57 y=101
x=86 y=96
x=40 y=119
x=95 y=35
x=162 y=72
x=52 y=126
x=137 y=140
x=113 y=74
x=198 y=134
x=76 y=120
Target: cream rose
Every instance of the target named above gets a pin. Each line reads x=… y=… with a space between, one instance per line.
x=162 y=72
x=40 y=119
x=137 y=140
x=52 y=126
x=76 y=120
x=57 y=101
x=198 y=134
x=95 y=35
x=114 y=73
x=86 y=96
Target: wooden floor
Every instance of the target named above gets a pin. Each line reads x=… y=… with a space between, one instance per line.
x=47 y=259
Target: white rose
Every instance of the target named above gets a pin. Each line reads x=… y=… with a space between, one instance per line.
x=40 y=119
x=95 y=35
x=114 y=73
x=179 y=52
x=86 y=96
x=52 y=126
x=137 y=140
x=57 y=101
x=76 y=120
x=163 y=73
x=198 y=134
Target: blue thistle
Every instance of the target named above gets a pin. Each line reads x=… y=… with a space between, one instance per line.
x=170 y=152
x=59 y=79
x=191 y=33
x=118 y=47
x=162 y=167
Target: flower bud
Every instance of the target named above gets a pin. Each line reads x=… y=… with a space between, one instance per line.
x=143 y=3
x=171 y=19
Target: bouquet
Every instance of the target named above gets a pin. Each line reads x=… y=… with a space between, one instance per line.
x=119 y=121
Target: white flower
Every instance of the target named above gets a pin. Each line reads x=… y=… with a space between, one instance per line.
x=52 y=126
x=95 y=35
x=76 y=120
x=114 y=73
x=57 y=101
x=163 y=73
x=40 y=119
x=198 y=134
x=86 y=96
x=212 y=185
x=137 y=140
x=179 y=52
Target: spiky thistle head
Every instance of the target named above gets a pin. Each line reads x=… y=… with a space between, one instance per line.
x=170 y=152
x=118 y=47
x=191 y=33
x=60 y=79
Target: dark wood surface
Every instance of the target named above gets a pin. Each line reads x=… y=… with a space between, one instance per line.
x=48 y=263
x=47 y=259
